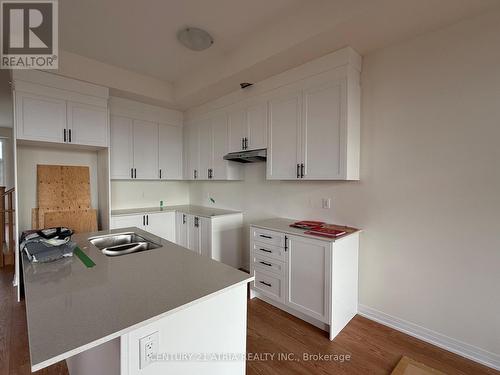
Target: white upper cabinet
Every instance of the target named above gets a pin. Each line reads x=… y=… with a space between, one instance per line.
x=248 y=127
x=220 y=168
x=206 y=145
x=192 y=142
x=55 y=109
x=323 y=135
x=146 y=141
x=87 y=124
x=40 y=118
x=122 y=152
x=257 y=126
x=308 y=118
x=146 y=150
x=283 y=156
x=206 y=149
x=314 y=129
x=237 y=121
x=170 y=152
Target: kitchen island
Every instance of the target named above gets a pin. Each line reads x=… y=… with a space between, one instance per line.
x=190 y=309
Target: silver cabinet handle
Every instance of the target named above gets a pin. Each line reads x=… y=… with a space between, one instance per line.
x=135 y=173
x=160 y=173
x=69 y=135
x=64 y=135
x=298 y=170
x=265 y=236
x=183 y=219
x=267 y=284
x=267 y=251
x=195 y=174
x=302 y=167
x=266 y=264
x=196 y=222
x=286 y=243
x=131 y=172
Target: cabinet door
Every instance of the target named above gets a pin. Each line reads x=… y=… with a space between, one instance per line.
x=257 y=126
x=126 y=221
x=161 y=224
x=219 y=148
x=146 y=150
x=238 y=129
x=308 y=271
x=206 y=149
x=192 y=152
x=323 y=138
x=205 y=229
x=122 y=154
x=88 y=124
x=194 y=232
x=170 y=151
x=181 y=228
x=40 y=118
x=284 y=131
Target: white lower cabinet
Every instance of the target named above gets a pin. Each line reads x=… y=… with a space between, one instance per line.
x=197 y=234
x=161 y=224
x=314 y=279
x=218 y=237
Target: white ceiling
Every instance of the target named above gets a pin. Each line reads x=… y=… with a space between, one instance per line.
x=140 y=35
x=253 y=38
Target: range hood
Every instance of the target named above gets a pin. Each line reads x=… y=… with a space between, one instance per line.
x=250 y=156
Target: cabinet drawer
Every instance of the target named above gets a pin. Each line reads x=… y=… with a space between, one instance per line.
x=268 y=237
x=269 y=265
x=271 y=285
x=270 y=251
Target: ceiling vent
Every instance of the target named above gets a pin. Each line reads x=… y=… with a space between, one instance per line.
x=195 y=39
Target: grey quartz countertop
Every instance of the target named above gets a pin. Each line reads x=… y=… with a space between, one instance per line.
x=188 y=209
x=71 y=308
x=283 y=225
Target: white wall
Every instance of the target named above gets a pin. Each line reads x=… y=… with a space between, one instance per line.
x=138 y=194
x=429 y=195
x=28 y=157
x=6 y=119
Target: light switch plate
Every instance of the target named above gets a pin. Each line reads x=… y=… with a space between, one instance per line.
x=148 y=347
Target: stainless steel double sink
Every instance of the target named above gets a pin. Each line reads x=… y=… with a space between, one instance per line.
x=122 y=243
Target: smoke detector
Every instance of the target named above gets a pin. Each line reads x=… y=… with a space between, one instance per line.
x=195 y=39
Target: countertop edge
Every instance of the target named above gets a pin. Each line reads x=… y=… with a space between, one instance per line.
x=93 y=344
x=135 y=211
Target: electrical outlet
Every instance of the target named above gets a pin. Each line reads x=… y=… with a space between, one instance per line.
x=148 y=347
x=326 y=202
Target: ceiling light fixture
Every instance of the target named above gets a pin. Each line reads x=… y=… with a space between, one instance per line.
x=195 y=39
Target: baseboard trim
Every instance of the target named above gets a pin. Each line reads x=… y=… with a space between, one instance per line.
x=455 y=346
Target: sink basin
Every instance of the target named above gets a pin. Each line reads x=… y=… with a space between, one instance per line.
x=122 y=243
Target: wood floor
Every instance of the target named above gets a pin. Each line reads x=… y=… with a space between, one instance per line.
x=373 y=348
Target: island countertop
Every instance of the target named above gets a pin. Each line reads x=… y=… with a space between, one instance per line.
x=71 y=308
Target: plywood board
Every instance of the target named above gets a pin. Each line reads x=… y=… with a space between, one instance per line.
x=408 y=366
x=63 y=187
x=79 y=221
